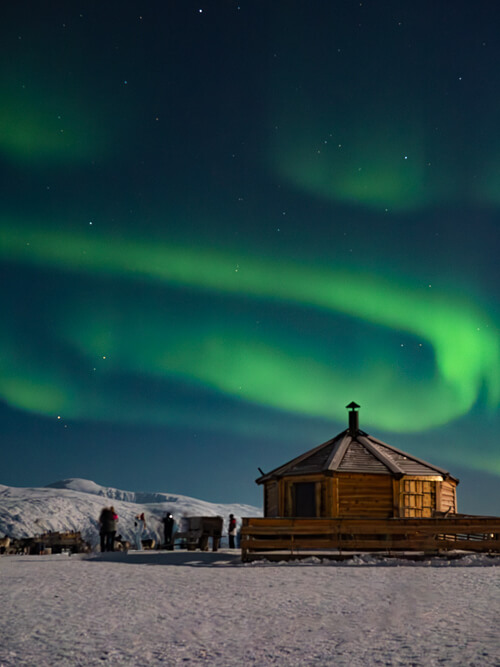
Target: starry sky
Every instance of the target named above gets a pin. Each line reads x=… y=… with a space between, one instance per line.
x=223 y=221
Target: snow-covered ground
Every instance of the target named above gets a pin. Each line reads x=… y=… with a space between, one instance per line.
x=75 y=505
x=204 y=608
x=194 y=608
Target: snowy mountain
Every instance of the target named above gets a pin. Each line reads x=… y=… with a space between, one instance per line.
x=75 y=505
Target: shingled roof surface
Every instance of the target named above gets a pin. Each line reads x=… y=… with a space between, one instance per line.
x=360 y=453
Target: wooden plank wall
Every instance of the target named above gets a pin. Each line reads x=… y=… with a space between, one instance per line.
x=352 y=494
x=271 y=499
x=447 y=496
x=365 y=495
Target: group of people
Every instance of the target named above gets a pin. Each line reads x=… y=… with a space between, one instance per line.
x=108 y=523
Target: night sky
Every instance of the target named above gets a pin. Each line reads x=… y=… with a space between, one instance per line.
x=224 y=221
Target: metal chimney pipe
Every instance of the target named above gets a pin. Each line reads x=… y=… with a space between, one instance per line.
x=353 y=423
x=353 y=418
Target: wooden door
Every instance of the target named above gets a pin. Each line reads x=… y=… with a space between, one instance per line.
x=417 y=498
x=305 y=499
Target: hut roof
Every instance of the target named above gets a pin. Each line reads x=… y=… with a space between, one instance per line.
x=356 y=452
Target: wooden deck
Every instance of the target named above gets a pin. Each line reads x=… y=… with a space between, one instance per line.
x=293 y=537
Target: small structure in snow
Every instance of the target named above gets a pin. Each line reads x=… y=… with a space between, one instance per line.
x=356 y=475
x=198 y=530
x=50 y=543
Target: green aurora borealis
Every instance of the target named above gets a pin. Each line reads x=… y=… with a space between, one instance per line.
x=223 y=356
x=236 y=245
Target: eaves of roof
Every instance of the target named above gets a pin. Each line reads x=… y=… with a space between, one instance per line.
x=277 y=472
x=339 y=450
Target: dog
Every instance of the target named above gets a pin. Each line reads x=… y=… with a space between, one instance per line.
x=121 y=544
x=149 y=544
x=4 y=544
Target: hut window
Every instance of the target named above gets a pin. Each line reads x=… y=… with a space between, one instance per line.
x=305 y=499
x=417 y=498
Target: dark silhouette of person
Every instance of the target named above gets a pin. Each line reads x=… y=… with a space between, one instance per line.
x=168 y=526
x=231 y=531
x=111 y=533
x=107 y=528
x=103 y=518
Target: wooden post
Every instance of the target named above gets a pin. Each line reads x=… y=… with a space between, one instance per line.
x=335 y=496
x=438 y=497
x=317 y=489
x=328 y=497
x=395 y=498
x=281 y=497
x=289 y=499
x=244 y=523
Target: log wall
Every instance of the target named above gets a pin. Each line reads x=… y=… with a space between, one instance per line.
x=365 y=495
x=448 y=496
x=271 y=499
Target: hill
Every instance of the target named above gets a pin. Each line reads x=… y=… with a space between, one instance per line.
x=75 y=505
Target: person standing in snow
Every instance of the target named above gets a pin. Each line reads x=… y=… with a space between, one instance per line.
x=107 y=528
x=168 y=525
x=231 y=531
x=102 y=527
x=140 y=527
x=111 y=532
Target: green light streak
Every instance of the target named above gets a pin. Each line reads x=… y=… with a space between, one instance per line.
x=37 y=128
x=33 y=384
x=464 y=340
x=380 y=166
x=41 y=396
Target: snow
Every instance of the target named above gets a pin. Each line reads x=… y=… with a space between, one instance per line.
x=198 y=608
x=205 y=608
x=75 y=505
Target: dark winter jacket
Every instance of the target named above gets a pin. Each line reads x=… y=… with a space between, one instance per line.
x=108 y=520
x=168 y=523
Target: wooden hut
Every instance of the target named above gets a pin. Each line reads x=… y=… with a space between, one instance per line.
x=357 y=475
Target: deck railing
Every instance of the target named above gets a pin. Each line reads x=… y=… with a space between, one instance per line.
x=296 y=536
